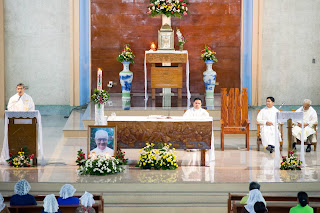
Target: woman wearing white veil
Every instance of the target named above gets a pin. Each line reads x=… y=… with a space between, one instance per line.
x=3 y=207
x=254 y=196
x=50 y=204
x=86 y=204
x=66 y=195
x=22 y=197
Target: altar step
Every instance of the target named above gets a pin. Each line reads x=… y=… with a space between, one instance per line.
x=166 y=197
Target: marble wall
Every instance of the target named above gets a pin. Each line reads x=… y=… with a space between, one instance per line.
x=290 y=40
x=37 y=49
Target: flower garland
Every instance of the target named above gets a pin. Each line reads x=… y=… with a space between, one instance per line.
x=208 y=55
x=100 y=97
x=163 y=158
x=100 y=165
x=175 y=8
x=292 y=162
x=126 y=55
x=22 y=159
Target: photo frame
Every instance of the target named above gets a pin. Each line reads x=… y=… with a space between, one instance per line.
x=102 y=139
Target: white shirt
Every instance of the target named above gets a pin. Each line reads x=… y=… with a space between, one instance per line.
x=193 y=113
x=102 y=152
x=309 y=116
x=267 y=114
x=21 y=103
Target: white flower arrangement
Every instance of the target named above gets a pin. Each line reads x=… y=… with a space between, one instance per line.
x=100 y=165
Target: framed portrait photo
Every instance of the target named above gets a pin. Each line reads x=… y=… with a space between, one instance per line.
x=102 y=140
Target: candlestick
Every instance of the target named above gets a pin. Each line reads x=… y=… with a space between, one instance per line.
x=99 y=79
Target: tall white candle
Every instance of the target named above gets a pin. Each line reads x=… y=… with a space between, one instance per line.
x=99 y=79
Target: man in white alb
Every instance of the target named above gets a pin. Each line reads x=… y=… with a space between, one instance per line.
x=20 y=101
x=196 y=111
x=266 y=119
x=101 y=139
x=309 y=119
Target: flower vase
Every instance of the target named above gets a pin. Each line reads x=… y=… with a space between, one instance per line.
x=209 y=79
x=166 y=20
x=181 y=47
x=31 y=162
x=126 y=77
x=99 y=118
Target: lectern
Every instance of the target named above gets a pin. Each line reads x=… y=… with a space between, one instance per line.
x=22 y=129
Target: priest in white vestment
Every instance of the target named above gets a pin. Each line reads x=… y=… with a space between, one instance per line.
x=101 y=139
x=267 y=119
x=20 y=101
x=196 y=111
x=309 y=119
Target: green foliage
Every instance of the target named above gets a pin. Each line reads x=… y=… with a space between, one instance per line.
x=100 y=97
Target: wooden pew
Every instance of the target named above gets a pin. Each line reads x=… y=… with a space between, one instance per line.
x=274 y=202
x=98 y=206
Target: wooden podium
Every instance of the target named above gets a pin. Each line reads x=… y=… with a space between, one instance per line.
x=22 y=132
x=166 y=76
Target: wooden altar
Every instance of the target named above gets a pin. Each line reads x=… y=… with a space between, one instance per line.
x=169 y=74
x=134 y=131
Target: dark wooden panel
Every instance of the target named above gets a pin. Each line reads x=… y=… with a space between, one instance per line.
x=217 y=24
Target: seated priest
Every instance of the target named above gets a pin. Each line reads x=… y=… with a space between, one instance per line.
x=21 y=101
x=266 y=119
x=196 y=111
x=101 y=139
x=309 y=119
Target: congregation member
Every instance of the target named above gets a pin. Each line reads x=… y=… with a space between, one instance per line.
x=253 y=185
x=196 y=111
x=21 y=196
x=309 y=119
x=86 y=204
x=266 y=118
x=254 y=196
x=21 y=101
x=50 y=204
x=260 y=207
x=101 y=139
x=302 y=206
x=3 y=207
x=66 y=195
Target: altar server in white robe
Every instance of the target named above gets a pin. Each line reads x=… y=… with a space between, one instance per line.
x=21 y=101
x=309 y=119
x=196 y=111
x=266 y=119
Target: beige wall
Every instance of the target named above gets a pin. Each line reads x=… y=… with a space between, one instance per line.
x=2 y=76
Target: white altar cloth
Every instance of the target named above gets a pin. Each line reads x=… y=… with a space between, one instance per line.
x=146 y=78
x=161 y=118
x=23 y=114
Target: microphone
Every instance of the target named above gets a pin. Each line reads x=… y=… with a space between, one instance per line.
x=282 y=105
